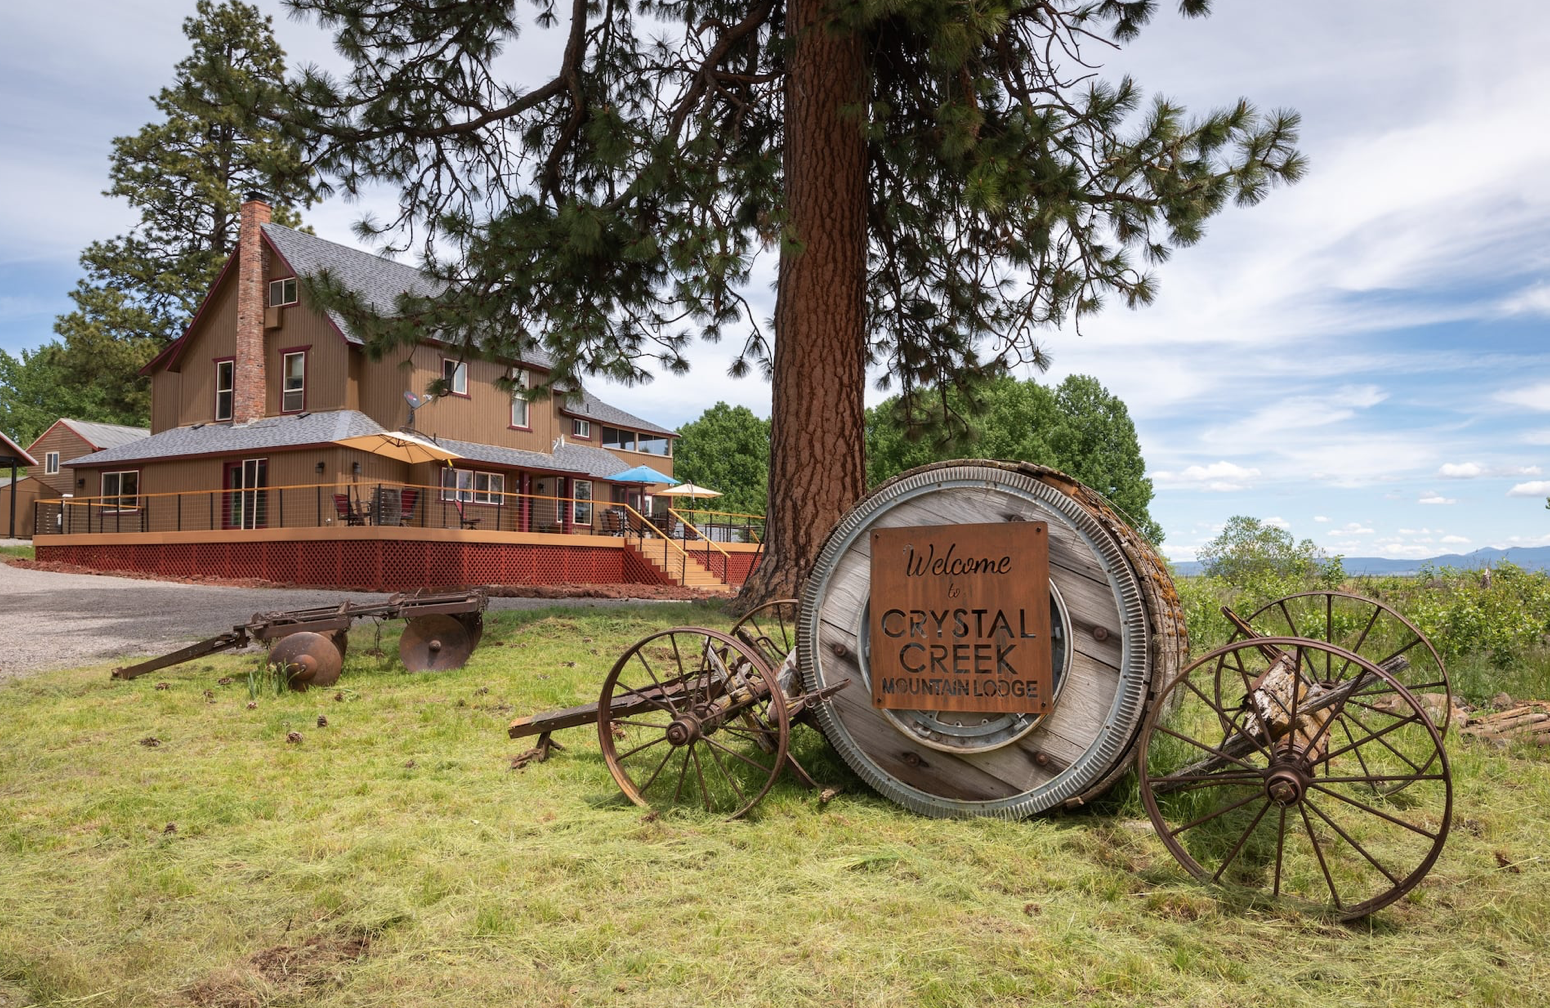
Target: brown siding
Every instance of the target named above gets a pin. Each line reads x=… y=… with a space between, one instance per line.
x=166 y=390
x=26 y=491
x=69 y=445
x=212 y=337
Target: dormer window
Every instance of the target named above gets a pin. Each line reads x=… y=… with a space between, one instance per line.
x=282 y=292
x=581 y=429
x=454 y=374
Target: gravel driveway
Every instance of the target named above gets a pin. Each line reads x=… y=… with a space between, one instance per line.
x=50 y=620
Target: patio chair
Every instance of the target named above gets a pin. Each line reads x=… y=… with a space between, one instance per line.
x=462 y=518
x=348 y=513
x=407 y=499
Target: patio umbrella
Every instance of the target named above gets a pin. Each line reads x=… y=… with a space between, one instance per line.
x=403 y=447
x=688 y=490
x=640 y=474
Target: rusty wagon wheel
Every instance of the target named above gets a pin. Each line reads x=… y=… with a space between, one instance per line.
x=693 y=715
x=772 y=627
x=1337 y=796
x=1367 y=628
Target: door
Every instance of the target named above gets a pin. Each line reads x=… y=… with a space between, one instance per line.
x=247 y=502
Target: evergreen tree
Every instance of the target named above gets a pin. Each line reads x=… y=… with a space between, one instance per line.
x=940 y=179
x=187 y=176
x=1078 y=427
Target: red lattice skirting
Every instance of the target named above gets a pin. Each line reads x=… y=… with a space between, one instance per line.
x=370 y=564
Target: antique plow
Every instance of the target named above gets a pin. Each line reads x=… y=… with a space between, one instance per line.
x=1302 y=762
x=442 y=630
x=693 y=714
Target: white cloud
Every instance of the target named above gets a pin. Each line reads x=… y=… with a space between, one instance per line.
x=1276 y=521
x=1534 y=300
x=1351 y=529
x=1453 y=540
x=1320 y=518
x=1433 y=497
x=1534 y=397
x=1218 y=477
x=1533 y=488
x=1462 y=470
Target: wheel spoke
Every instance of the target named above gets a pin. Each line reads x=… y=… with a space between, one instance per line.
x=1351 y=841
x=1318 y=852
x=1370 y=810
x=1232 y=854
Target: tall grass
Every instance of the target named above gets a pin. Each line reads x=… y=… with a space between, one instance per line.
x=168 y=847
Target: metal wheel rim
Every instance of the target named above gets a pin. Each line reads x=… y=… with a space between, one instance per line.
x=1355 y=812
x=1416 y=680
x=711 y=668
x=772 y=627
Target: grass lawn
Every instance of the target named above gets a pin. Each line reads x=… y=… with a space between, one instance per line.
x=171 y=847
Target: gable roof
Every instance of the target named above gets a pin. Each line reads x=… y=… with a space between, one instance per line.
x=102 y=435
x=379 y=281
x=11 y=452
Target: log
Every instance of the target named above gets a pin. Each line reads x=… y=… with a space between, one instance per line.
x=1080 y=597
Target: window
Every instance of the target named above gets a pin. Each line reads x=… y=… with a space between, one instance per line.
x=225 y=381
x=282 y=292
x=613 y=437
x=51 y=464
x=655 y=444
x=293 y=393
x=121 y=490
x=521 y=409
x=581 y=428
x=581 y=504
x=457 y=485
x=478 y=487
x=454 y=373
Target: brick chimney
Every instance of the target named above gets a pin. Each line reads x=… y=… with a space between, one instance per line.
x=248 y=396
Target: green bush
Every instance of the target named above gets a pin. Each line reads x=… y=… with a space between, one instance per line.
x=1503 y=613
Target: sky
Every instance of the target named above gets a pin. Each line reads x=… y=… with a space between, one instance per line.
x=1363 y=359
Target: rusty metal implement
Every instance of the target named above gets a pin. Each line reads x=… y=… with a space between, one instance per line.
x=333 y=623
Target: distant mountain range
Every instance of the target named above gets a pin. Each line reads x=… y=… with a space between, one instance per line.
x=1534 y=558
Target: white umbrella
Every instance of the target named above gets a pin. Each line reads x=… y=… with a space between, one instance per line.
x=688 y=490
x=409 y=448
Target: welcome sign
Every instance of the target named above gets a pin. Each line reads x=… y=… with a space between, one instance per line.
x=960 y=618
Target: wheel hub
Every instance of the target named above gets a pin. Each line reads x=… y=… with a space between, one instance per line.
x=1286 y=784
x=684 y=730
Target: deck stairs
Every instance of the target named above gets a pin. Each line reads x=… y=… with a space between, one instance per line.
x=673 y=565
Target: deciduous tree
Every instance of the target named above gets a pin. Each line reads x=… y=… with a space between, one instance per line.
x=1248 y=551
x=727 y=449
x=187 y=175
x=940 y=179
x=1078 y=427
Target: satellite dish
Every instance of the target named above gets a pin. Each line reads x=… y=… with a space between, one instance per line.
x=414 y=401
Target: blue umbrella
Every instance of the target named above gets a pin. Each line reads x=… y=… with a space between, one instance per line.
x=640 y=474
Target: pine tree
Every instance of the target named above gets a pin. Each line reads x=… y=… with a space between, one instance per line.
x=941 y=181
x=187 y=176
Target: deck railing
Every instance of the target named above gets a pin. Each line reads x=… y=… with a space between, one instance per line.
x=343 y=504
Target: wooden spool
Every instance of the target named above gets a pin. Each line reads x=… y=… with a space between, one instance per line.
x=1116 y=639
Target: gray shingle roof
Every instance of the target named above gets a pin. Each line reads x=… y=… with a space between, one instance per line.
x=218 y=439
x=598 y=462
x=377 y=280
x=105 y=435
x=308 y=429
x=593 y=408
x=497 y=455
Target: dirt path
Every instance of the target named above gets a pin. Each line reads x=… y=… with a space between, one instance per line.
x=54 y=620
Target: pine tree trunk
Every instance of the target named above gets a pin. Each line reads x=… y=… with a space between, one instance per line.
x=817 y=452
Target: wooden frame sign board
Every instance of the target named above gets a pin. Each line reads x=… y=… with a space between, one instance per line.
x=960 y=618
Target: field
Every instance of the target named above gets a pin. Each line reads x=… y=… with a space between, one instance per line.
x=220 y=842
